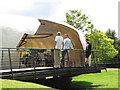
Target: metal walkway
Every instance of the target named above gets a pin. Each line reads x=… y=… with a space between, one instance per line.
x=13 y=66
x=43 y=72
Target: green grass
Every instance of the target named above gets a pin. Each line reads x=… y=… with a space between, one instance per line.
x=13 y=84
x=97 y=80
x=86 y=81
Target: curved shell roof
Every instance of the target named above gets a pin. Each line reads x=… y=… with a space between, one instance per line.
x=45 y=36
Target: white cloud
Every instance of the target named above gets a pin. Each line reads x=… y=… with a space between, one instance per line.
x=28 y=7
x=20 y=14
x=103 y=13
x=7 y=6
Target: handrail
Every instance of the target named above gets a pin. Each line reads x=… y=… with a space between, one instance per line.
x=35 y=62
x=20 y=50
x=50 y=49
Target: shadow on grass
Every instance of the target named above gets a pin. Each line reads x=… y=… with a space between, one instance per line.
x=77 y=85
x=83 y=85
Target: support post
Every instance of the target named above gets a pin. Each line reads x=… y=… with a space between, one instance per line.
x=69 y=63
x=56 y=58
x=34 y=63
x=2 y=57
x=20 y=59
x=81 y=62
x=10 y=62
x=89 y=61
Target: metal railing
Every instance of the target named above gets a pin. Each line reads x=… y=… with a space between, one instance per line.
x=15 y=58
x=34 y=59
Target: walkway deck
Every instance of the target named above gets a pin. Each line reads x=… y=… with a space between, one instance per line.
x=43 y=72
x=13 y=65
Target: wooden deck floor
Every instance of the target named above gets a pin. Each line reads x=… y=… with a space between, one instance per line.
x=24 y=69
x=43 y=72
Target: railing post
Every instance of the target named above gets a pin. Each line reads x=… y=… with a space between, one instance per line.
x=10 y=61
x=68 y=59
x=34 y=68
x=81 y=59
x=56 y=58
x=33 y=58
x=20 y=59
x=2 y=57
x=94 y=58
x=69 y=62
x=84 y=54
x=54 y=65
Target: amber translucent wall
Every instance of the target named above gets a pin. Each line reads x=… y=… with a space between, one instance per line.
x=45 y=35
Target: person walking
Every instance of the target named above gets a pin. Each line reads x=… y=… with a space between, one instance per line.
x=88 y=51
x=58 y=47
x=67 y=44
x=58 y=41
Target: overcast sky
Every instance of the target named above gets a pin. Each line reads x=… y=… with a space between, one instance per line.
x=23 y=14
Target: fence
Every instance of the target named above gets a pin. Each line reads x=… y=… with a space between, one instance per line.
x=28 y=63
x=15 y=58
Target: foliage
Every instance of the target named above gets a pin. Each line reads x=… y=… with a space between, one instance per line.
x=98 y=39
x=79 y=21
x=117 y=44
x=112 y=34
x=102 y=43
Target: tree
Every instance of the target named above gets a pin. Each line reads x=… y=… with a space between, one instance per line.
x=79 y=21
x=117 y=44
x=112 y=35
x=102 y=43
x=99 y=40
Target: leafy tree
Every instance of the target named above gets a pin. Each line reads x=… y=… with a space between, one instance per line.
x=112 y=35
x=98 y=39
x=102 y=43
x=79 y=21
x=117 y=44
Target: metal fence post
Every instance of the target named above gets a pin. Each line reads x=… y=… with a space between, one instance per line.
x=81 y=58
x=69 y=63
x=54 y=65
x=56 y=58
x=93 y=57
x=20 y=59
x=2 y=57
x=33 y=57
x=10 y=62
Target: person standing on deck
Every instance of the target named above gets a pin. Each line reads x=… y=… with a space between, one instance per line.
x=57 y=46
x=88 y=51
x=58 y=41
x=67 y=44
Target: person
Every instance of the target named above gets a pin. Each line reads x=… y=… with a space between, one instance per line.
x=58 y=47
x=88 y=51
x=67 y=44
x=58 y=41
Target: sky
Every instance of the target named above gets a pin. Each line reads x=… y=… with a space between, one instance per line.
x=23 y=15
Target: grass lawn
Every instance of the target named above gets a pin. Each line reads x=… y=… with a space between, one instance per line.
x=97 y=80
x=101 y=80
x=19 y=85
